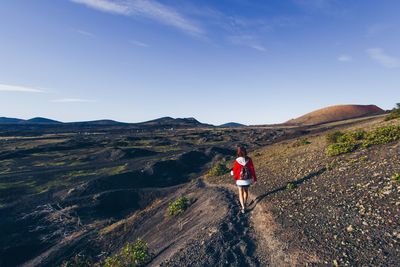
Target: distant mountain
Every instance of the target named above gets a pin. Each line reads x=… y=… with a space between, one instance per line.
x=232 y=124
x=98 y=122
x=172 y=122
x=37 y=120
x=336 y=113
x=40 y=120
x=161 y=122
x=5 y=120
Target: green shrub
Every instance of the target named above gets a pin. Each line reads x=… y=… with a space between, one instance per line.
x=330 y=166
x=396 y=177
x=341 y=148
x=218 y=169
x=394 y=114
x=131 y=255
x=301 y=142
x=291 y=186
x=340 y=143
x=358 y=135
x=178 y=206
x=78 y=260
x=333 y=137
x=382 y=135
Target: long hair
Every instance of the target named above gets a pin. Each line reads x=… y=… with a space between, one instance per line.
x=241 y=152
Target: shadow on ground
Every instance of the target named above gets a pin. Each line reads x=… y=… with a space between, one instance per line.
x=297 y=183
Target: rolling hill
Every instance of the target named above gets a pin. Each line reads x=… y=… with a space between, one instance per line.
x=336 y=113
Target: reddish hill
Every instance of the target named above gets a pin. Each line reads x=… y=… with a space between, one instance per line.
x=336 y=113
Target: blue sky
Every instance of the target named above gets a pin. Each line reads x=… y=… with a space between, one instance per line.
x=252 y=62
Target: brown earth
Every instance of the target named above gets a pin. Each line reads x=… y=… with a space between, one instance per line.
x=336 y=113
x=344 y=211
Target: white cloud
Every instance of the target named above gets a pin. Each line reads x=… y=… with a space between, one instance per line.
x=138 y=43
x=317 y=4
x=72 y=100
x=345 y=58
x=105 y=5
x=17 y=88
x=86 y=33
x=146 y=8
x=247 y=40
x=382 y=58
x=377 y=29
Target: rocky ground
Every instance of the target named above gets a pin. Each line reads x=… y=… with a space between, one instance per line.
x=58 y=207
x=345 y=209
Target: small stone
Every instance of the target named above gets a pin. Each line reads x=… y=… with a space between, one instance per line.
x=349 y=228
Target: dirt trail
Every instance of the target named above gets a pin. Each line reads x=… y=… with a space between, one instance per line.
x=259 y=233
x=230 y=242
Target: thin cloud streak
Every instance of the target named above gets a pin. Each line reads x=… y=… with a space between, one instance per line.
x=345 y=58
x=247 y=40
x=72 y=100
x=105 y=6
x=17 y=88
x=146 y=8
x=82 y=32
x=380 y=56
x=138 y=43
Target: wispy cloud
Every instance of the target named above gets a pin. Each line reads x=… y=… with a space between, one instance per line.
x=345 y=58
x=380 y=56
x=86 y=33
x=248 y=41
x=72 y=100
x=106 y=6
x=146 y=8
x=17 y=88
x=377 y=28
x=138 y=43
x=315 y=4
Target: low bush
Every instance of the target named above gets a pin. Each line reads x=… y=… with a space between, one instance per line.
x=358 y=135
x=396 y=177
x=178 y=206
x=301 y=142
x=382 y=135
x=330 y=166
x=333 y=137
x=78 y=260
x=218 y=169
x=132 y=255
x=341 y=148
x=291 y=186
x=340 y=143
x=394 y=114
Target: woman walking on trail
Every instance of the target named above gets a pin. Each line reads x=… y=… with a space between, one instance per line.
x=244 y=174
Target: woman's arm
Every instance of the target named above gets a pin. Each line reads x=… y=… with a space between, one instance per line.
x=236 y=170
x=253 y=172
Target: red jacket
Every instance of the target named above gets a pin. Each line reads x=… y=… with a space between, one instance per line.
x=238 y=165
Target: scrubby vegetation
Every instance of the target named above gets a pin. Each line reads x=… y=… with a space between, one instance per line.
x=291 y=186
x=218 y=169
x=333 y=137
x=178 y=206
x=301 y=142
x=394 y=114
x=396 y=177
x=345 y=142
x=132 y=255
x=78 y=261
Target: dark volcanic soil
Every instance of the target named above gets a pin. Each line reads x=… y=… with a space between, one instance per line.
x=70 y=197
x=345 y=210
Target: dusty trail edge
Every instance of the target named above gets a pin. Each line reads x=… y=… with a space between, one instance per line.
x=269 y=249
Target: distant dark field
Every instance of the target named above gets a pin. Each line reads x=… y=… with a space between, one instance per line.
x=56 y=180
